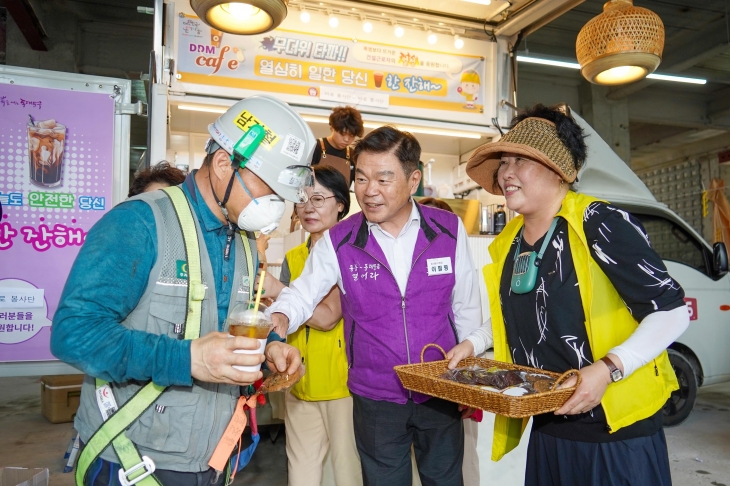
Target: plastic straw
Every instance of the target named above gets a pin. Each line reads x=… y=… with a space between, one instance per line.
x=258 y=296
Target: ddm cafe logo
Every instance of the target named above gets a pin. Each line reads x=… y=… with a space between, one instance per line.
x=208 y=57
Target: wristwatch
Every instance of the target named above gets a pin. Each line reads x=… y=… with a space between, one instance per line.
x=616 y=374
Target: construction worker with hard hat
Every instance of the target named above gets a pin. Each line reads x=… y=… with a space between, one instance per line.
x=144 y=309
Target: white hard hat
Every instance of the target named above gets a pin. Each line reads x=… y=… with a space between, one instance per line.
x=283 y=157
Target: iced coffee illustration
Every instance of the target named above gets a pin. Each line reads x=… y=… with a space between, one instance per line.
x=46 y=140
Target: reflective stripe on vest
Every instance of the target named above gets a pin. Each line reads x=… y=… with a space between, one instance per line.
x=112 y=430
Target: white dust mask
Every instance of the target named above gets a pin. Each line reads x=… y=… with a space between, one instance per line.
x=262 y=214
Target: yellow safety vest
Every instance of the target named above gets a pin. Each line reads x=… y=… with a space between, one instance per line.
x=608 y=323
x=323 y=352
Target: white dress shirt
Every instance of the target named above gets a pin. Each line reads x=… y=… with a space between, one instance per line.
x=322 y=271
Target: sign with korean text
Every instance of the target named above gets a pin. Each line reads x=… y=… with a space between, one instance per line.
x=331 y=68
x=56 y=179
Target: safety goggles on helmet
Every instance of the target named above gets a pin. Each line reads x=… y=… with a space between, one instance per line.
x=299 y=177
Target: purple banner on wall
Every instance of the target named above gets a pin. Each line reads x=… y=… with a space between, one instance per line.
x=56 y=179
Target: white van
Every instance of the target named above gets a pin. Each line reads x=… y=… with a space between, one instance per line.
x=700 y=355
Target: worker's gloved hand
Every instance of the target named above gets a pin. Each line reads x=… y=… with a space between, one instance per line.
x=281 y=323
x=212 y=359
x=282 y=357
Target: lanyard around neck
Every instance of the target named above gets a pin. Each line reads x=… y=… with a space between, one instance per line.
x=548 y=237
x=249 y=263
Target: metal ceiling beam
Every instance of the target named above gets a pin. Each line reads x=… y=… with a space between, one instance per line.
x=535 y=16
x=703 y=45
x=673 y=108
x=643 y=163
x=27 y=21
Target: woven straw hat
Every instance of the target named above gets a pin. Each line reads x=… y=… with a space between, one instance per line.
x=534 y=138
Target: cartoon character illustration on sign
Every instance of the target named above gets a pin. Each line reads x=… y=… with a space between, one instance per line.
x=469 y=88
x=267 y=43
x=408 y=60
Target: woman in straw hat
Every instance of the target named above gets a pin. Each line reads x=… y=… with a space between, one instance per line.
x=566 y=294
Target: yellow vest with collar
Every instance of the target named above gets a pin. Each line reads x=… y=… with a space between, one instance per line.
x=608 y=324
x=323 y=352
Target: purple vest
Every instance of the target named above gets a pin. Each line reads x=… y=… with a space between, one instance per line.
x=382 y=328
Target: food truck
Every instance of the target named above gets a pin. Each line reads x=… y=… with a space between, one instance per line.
x=64 y=152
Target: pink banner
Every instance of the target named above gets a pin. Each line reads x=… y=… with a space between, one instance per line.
x=56 y=179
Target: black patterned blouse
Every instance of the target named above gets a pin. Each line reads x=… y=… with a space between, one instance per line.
x=545 y=327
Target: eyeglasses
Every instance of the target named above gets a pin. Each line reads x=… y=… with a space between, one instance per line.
x=317 y=201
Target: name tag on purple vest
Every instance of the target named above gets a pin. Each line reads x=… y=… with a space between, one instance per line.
x=383 y=328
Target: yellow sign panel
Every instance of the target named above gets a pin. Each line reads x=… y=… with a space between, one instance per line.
x=351 y=77
x=274 y=87
x=246 y=120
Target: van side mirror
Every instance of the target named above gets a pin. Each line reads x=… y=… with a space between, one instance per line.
x=719 y=259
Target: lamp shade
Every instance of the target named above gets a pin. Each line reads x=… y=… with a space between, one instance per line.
x=621 y=45
x=245 y=17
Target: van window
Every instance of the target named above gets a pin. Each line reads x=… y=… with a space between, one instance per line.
x=673 y=243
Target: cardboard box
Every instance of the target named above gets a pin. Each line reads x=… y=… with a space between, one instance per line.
x=20 y=476
x=60 y=396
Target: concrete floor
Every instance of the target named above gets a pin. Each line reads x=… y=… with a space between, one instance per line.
x=697 y=448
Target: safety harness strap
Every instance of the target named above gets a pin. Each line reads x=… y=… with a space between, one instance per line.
x=196 y=289
x=112 y=431
x=137 y=469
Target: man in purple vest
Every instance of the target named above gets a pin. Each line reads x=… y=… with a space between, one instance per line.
x=406 y=279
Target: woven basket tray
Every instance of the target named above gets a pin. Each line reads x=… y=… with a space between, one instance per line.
x=425 y=378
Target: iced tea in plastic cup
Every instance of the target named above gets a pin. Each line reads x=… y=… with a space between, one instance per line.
x=46 y=142
x=242 y=321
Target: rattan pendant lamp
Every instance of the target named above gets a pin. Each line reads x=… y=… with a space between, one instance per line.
x=621 y=45
x=246 y=17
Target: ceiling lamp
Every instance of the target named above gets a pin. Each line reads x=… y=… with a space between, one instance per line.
x=399 y=31
x=333 y=21
x=304 y=16
x=241 y=18
x=367 y=27
x=432 y=39
x=621 y=45
x=458 y=42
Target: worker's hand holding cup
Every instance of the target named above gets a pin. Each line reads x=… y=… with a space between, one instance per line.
x=245 y=320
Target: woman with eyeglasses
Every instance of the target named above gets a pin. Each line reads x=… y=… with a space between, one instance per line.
x=319 y=408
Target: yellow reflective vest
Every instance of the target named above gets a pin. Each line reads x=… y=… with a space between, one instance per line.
x=608 y=323
x=323 y=352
